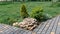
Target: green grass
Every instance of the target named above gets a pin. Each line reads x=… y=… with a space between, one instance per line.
x=11 y=12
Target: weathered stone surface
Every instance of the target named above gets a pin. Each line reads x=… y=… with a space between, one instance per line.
x=27 y=23
x=52 y=29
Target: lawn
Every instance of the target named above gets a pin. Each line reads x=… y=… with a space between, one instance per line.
x=10 y=13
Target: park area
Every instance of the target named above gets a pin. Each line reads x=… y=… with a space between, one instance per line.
x=21 y=14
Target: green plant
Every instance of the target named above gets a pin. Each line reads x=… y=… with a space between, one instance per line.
x=5 y=3
x=38 y=14
x=10 y=20
x=23 y=12
x=56 y=4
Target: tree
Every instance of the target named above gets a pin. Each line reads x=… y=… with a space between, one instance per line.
x=23 y=12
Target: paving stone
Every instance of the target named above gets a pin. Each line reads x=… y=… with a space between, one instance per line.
x=42 y=27
x=55 y=25
x=58 y=28
x=51 y=26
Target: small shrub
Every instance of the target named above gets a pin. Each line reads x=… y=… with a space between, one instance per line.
x=58 y=4
x=23 y=12
x=11 y=21
x=38 y=14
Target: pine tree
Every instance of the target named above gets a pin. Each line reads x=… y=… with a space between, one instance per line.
x=23 y=12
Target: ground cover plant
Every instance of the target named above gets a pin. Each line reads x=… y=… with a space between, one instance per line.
x=10 y=13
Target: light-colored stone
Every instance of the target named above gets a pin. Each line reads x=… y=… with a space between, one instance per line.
x=33 y=32
x=32 y=27
x=58 y=24
x=14 y=24
x=52 y=32
x=28 y=23
x=1 y=30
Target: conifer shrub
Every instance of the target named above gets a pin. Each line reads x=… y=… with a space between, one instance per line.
x=38 y=14
x=23 y=12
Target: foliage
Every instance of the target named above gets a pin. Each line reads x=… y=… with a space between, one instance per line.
x=23 y=12
x=5 y=2
x=11 y=21
x=38 y=14
x=13 y=10
x=39 y=0
x=56 y=4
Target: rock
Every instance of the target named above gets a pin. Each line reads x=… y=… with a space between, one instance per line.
x=15 y=24
x=30 y=20
x=31 y=28
x=33 y=32
x=28 y=23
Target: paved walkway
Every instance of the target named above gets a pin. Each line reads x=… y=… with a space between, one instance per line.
x=51 y=26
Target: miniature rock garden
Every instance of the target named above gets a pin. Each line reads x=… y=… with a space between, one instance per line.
x=32 y=20
x=29 y=15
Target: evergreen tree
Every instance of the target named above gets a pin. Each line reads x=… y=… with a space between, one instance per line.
x=23 y=12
